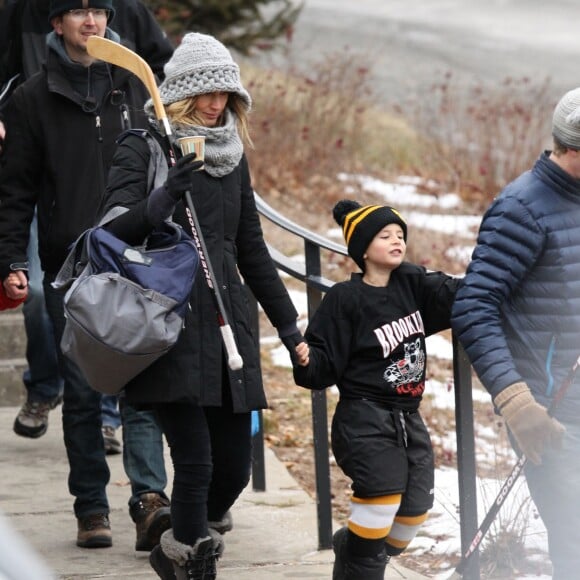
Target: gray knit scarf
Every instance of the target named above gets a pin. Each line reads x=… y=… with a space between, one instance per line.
x=223 y=146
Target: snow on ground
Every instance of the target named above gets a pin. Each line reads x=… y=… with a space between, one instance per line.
x=441 y=533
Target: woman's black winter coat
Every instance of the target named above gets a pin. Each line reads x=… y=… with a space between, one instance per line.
x=192 y=371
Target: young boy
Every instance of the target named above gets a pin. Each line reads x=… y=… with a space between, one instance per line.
x=368 y=338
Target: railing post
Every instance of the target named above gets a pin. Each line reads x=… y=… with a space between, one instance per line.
x=319 y=417
x=466 y=471
x=258 y=460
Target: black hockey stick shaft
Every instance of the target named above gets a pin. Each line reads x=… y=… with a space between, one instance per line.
x=235 y=361
x=119 y=55
x=508 y=484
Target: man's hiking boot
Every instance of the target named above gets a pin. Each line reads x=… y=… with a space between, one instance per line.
x=112 y=444
x=152 y=516
x=94 y=531
x=32 y=419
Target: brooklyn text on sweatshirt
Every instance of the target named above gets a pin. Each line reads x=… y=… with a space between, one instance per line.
x=391 y=334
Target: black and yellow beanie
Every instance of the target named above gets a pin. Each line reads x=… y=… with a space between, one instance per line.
x=360 y=224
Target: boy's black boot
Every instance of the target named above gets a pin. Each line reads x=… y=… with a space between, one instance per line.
x=367 y=567
x=339 y=547
x=349 y=567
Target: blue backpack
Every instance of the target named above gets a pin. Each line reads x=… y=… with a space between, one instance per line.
x=126 y=307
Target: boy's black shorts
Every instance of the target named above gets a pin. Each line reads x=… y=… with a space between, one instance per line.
x=384 y=452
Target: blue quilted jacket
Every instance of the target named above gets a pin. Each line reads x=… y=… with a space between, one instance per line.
x=517 y=313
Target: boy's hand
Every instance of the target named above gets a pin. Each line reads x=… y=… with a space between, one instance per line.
x=302 y=354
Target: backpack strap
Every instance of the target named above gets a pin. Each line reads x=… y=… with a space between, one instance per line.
x=73 y=265
x=158 y=164
x=77 y=257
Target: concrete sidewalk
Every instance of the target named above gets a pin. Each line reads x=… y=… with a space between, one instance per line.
x=274 y=535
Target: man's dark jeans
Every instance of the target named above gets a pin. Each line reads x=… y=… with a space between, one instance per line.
x=41 y=379
x=81 y=419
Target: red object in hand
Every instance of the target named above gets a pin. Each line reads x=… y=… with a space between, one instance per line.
x=7 y=303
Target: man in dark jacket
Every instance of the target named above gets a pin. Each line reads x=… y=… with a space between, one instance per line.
x=517 y=315
x=24 y=25
x=61 y=130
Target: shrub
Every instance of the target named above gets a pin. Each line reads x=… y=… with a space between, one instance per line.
x=478 y=140
x=309 y=128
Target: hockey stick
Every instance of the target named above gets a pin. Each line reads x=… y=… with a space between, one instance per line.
x=119 y=55
x=508 y=484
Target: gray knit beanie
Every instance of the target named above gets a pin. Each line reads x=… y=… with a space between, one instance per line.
x=566 y=120
x=200 y=65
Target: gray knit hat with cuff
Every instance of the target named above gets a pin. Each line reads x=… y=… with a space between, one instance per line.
x=566 y=120
x=200 y=65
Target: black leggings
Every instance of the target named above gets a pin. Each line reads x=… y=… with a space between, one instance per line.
x=211 y=453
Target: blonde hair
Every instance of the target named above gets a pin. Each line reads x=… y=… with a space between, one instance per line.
x=184 y=113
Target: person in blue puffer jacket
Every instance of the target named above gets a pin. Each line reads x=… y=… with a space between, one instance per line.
x=517 y=314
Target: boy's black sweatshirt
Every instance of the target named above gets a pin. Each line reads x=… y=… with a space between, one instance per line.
x=370 y=341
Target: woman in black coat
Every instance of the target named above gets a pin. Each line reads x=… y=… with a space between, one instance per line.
x=203 y=406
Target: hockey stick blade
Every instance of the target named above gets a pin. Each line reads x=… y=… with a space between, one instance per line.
x=119 y=55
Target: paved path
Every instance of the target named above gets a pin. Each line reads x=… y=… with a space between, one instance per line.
x=274 y=534
x=410 y=45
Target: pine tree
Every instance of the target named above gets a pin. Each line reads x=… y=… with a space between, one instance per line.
x=243 y=25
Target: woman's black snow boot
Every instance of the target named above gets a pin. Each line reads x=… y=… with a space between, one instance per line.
x=197 y=562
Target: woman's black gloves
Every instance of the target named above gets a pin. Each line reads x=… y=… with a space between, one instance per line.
x=179 y=176
x=161 y=201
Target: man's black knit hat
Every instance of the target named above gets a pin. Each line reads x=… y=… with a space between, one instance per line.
x=58 y=7
x=360 y=224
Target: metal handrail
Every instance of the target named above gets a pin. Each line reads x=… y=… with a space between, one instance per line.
x=282 y=221
x=316 y=285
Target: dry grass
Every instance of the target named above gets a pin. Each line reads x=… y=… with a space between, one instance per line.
x=478 y=141
x=308 y=129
